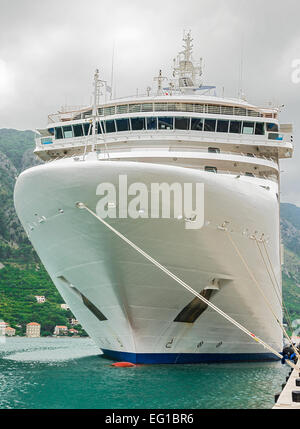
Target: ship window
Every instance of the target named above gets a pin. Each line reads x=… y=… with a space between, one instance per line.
x=197 y=124
x=194 y=309
x=151 y=123
x=213 y=109
x=260 y=128
x=210 y=125
x=68 y=133
x=123 y=108
x=58 y=133
x=158 y=107
x=87 y=129
x=77 y=130
x=122 y=124
x=222 y=126
x=147 y=107
x=199 y=108
x=171 y=107
x=98 y=127
x=248 y=127
x=134 y=108
x=110 y=126
x=252 y=113
x=272 y=127
x=249 y=174
x=138 y=124
x=275 y=136
x=189 y=107
x=51 y=131
x=211 y=169
x=165 y=123
x=240 y=111
x=182 y=123
x=227 y=110
x=235 y=127
x=109 y=110
x=214 y=150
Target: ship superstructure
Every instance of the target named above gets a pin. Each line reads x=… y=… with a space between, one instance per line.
x=182 y=132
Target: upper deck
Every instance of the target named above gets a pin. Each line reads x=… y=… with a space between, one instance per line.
x=183 y=118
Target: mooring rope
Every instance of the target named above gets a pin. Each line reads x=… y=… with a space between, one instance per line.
x=269 y=305
x=278 y=286
x=81 y=205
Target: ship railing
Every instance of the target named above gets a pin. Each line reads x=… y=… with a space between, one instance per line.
x=84 y=142
x=124 y=137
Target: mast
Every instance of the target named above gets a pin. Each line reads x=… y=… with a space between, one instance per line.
x=185 y=72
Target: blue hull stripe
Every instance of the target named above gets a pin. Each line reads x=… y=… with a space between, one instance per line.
x=177 y=358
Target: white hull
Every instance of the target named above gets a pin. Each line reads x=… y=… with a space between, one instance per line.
x=89 y=264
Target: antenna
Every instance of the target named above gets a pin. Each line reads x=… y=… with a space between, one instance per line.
x=160 y=78
x=241 y=94
x=112 y=70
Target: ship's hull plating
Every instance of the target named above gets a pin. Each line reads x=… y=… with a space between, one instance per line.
x=126 y=304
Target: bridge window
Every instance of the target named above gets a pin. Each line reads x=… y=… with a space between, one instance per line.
x=248 y=127
x=197 y=124
x=77 y=130
x=151 y=123
x=68 y=133
x=211 y=169
x=110 y=126
x=235 y=127
x=272 y=127
x=138 y=124
x=58 y=133
x=122 y=124
x=210 y=125
x=214 y=150
x=260 y=128
x=222 y=126
x=165 y=123
x=182 y=123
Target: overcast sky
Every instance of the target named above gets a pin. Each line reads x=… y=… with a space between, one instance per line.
x=50 y=49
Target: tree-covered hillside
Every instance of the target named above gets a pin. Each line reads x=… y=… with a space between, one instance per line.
x=23 y=276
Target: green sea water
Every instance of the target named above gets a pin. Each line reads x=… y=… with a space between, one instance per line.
x=69 y=373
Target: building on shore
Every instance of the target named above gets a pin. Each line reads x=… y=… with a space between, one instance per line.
x=64 y=306
x=10 y=332
x=73 y=331
x=60 y=330
x=73 y=321
x=33 y=330
x=40 y=299
x=3 y=326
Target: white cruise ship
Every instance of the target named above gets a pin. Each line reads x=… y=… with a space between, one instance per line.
x=181 y=132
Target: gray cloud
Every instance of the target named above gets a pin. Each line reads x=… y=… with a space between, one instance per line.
x=49 y=50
